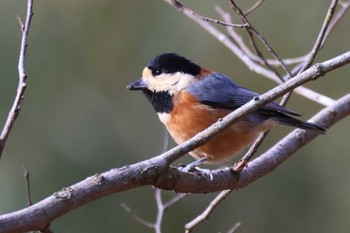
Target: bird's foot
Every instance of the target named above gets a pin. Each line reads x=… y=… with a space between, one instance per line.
x=195 y=167
x=192 y=166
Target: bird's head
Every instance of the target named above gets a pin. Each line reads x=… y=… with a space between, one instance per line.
x=168 y=73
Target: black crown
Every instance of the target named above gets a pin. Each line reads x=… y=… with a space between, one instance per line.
x=169 y=63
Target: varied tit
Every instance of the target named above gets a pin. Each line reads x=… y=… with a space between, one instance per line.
x=189 y=99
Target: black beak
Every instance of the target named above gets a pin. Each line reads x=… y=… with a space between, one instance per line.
x=137 y=85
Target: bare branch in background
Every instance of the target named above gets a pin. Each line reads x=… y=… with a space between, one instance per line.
x=241 y=43
x=206 y=19
x=321 y=36
x=252 y=65
x=157 y=225
x=261 y=37
x=137 y=218
x=16 y=107
x=27 y=179
x=234 y=227
x=344 y=7
x=205 y=215
x=164 y=206
x=254 y=7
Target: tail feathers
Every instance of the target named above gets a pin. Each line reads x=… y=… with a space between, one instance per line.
x=290 y=121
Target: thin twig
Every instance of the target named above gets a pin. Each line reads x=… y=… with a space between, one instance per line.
x=344 y=7
x=260 y=36
x=234 y=227
x=261 y=56
x=253 y=8
x=184 y=8
x=160 y=214
x=250 y=153
x=166 y=140
x=317 y=45
x=175 y=199
x=26 y=176
x=16 y=107
x=258 y=52
x=164 y=206
x=240 y=42
x=204 y=215
x=137 y=218
x=321 y=36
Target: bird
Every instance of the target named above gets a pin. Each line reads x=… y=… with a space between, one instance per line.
x=189 y=98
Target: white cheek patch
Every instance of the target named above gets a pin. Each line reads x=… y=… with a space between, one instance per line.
x=184 y=81
x=163 y=82
x=169 y=82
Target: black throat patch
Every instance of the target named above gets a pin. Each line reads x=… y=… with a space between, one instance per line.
x=162 y=101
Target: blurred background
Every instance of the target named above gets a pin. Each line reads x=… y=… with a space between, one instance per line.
x=78 y=118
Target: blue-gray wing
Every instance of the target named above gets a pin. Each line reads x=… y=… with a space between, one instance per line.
x=219 y=91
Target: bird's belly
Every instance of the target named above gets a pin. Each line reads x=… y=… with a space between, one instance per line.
x=188 y=119
x=225 y=144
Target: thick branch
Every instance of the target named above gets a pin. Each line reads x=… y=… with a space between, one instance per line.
x=156 y=171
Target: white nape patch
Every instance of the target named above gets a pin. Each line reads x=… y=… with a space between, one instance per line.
x=184 y=81
x=169 y=82
x=164 y=117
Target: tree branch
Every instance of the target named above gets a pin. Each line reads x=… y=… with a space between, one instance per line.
x=260 y=36
x=181 y=6
x=16 y=107
x=321 y=35
x=156 y=171
x=303 y=91
x=204 y=215
x=253 y=8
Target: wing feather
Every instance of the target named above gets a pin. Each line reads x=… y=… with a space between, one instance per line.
x=219 y=91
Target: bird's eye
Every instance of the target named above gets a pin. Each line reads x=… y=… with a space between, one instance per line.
x=157 y=71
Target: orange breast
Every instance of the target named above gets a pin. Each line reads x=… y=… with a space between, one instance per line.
x=189 y=117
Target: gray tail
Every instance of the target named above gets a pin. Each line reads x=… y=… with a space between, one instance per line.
x=290 y=121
